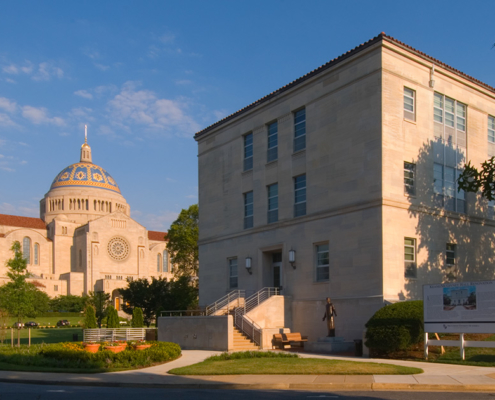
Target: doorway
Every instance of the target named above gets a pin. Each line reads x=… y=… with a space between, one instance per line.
x=277 y=270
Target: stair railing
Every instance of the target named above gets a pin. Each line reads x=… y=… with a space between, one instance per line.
x=246 y=325
x=259 y=297
x=224 y=303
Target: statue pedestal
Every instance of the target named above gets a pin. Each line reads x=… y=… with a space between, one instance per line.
x=330 y=345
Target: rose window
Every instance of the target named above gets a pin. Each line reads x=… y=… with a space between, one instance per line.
x=118 y=248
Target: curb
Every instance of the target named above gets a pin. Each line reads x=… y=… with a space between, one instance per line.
x=277 y=386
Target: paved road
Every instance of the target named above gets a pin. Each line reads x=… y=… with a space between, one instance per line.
x=41 y=392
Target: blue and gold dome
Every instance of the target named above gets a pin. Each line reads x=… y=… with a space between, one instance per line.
x=85 y=174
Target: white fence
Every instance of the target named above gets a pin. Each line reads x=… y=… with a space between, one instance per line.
x=110 y=335
x=461 y=343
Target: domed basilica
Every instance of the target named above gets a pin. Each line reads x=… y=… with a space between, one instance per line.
x=85 y=239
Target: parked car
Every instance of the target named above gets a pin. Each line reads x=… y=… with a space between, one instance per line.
x=63 y=322
x=31 y=324
x=17 y=325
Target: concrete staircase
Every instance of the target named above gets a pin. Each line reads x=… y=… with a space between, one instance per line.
x=242 y=342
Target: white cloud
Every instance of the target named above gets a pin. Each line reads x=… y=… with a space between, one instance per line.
x=183 y=82
x=10 y=80
x=101 y=67
x=27 y=210
x=7 y=105
x=167 y=38
x=83 y=93
x=40 y=116
x=8 y=169
x=170 y=180
x=5 y=120
x=82 y=112
x=156 y=222
x=11 y=69
x=46 y=71
x=143 y=107
x=219 y=114
x=192 y=196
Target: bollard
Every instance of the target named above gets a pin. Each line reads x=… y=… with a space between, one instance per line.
x=29 y=337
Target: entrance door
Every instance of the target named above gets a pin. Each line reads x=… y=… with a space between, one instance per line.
x=277 y=270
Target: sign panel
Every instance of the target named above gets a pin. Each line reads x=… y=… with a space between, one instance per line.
x=466 y=307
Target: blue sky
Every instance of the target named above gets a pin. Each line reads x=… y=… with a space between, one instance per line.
x=146 y=75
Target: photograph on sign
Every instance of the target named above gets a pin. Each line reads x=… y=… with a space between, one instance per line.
x=459 y=297
x=462 y=307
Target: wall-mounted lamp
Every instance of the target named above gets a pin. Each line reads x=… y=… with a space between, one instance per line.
x=248 y=265
x=292 y=258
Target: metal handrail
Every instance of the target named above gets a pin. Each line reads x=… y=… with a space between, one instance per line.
x=246 y=324
x=182 y=313
x=225 y=302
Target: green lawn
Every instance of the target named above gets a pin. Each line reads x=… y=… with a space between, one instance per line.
x=292 y=366
x=38 y=336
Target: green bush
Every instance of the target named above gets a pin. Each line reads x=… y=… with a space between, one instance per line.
x=137 y=318
x=250 y=354
x=395 y=327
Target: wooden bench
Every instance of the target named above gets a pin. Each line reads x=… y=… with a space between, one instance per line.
x=284 y=340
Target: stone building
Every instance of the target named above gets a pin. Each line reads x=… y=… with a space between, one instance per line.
x=85 y=239
x=352 y=170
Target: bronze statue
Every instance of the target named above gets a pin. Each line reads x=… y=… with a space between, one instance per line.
x=329 y=314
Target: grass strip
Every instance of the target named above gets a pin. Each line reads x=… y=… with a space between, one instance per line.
x=292 y=366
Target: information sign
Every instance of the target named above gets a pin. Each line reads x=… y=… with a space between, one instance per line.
x=466 y=307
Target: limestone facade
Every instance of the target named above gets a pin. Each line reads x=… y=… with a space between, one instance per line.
x=378 y=212
x=85 y=239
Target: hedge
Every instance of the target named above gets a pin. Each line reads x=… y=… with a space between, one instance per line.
x=61 y=314
x=72 y=355
x=395 y=327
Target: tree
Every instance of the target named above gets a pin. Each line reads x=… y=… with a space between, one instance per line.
x=90 y=317
x=183 y=242
x=19 y=297
x=149 y=296
x=112 y=317
x=137 y=318
x=471 y=180
x=100 y=301
x=70 y=303
x=182 y=294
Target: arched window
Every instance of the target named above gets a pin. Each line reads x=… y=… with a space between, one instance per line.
x=158 y=262
x=26 y=249
x=165 y=261
x=36 y=254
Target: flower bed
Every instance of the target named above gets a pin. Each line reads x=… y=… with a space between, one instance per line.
x=72 y=355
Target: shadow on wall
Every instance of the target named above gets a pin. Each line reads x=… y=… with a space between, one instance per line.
x=443 y=229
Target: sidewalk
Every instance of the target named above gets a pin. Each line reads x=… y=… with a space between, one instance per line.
x=437 y=377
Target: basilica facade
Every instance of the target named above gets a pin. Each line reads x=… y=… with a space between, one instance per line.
x=85 y=239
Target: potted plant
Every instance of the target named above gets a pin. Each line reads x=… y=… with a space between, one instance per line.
x=115 y=347
x=91 y=347
x=140 y=345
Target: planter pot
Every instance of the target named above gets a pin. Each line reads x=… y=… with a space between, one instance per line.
x=92 y=348
x=115 y=349
x=140 y=347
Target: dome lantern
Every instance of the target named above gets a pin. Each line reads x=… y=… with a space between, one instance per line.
x=85 y=149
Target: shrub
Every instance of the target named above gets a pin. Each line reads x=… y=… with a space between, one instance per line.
x=90 y=317
x=250 y=354
x=112 y=318
x=137 y=318
x=395 y=327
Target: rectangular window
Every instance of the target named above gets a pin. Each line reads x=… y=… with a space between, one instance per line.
x=300 y=130
x=273 y=203
x=409 y=178
x=450 y=120
x=233 y=281
x=491 y=129
x=248 y=210
x=445 y=188
x=299 y=195
x=450 y=255
x=272 y=153
x=322 y=263
x=409 y=104
x=248 y=152
x=410 y=270
x=55 y=288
